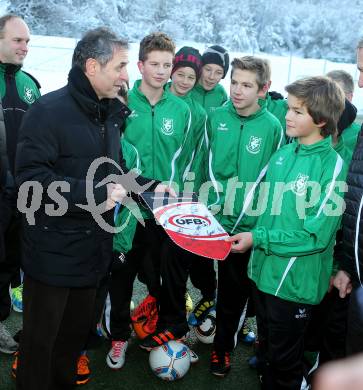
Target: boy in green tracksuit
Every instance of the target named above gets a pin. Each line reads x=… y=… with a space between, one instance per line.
x=185 y=75
x=157 y=128
x=242 y=137
x=175 y=262
x=208 y=92
x=291 y=260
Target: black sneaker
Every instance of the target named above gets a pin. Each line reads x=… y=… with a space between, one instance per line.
x=220 y=364
x=203 y=307
x=160 y=338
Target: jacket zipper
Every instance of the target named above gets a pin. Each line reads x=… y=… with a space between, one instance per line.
x=153 y=136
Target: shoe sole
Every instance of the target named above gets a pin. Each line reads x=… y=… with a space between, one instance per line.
x=17 y=309
x=220 y=374
x=148 y=349
x=113 y=367
x=7 y=351
x=85 y=381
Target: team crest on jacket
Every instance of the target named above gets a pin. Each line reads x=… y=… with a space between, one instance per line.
x=29 y=95
x=168 y=126
x=300 y=184
x=254 y=145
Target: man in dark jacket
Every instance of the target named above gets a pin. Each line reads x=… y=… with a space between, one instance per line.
x=349 y=279
x=66 y=252
x=18 y=90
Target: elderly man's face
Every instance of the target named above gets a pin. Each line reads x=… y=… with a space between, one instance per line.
x=108 y=79
x=14 y=42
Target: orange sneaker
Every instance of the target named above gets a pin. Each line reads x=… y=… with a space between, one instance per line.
x=143 y=310
x=83 y=371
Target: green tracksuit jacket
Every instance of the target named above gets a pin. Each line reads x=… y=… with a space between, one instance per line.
x=18 y=90
x=193 y=154
x=159 y=134
x=126 y=221
x=293 y=239
x=277 y=107
x=240 y=149
x=210 y=100
x=347 y=142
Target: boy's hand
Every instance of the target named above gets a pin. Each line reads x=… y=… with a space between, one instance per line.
x=343 y=284
x=241 y=242
x=164 y=188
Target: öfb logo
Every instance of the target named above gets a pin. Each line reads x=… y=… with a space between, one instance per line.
x=189 y=221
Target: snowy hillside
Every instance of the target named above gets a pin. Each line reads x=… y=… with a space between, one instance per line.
x=327 y=29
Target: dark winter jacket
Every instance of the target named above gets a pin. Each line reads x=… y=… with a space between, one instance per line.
x=61 y=135
x=350 y=254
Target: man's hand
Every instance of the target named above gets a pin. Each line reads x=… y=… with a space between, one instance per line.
x=343 y=283
x=164 y=188
x=115 y=193
x=241 y=242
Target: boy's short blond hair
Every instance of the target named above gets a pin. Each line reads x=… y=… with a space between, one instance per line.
x=323 y=99
x=259 y=66
x=155 y=41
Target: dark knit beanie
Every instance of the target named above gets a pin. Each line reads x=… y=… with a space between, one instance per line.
x=188 y=57
x=216 y=55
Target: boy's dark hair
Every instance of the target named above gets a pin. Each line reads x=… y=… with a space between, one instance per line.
x=259 y=66
x=155 y=41
x=323 y=99
x=344 y=79
x=99 y=44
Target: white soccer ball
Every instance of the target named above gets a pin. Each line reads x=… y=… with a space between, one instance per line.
x=206 y=331
x=170 y=361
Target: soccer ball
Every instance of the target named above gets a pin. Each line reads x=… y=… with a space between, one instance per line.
x=206 y=331
x=170 y=361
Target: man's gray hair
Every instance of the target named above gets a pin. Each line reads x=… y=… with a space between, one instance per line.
x=98 y=44
x=343 y=78
x=360 y=43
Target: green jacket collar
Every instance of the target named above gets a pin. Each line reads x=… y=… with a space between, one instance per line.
x=255 y=115
x=9 y=68
x=136 y=90
x=317 y=147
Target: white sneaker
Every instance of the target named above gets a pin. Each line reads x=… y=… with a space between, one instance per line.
x=194 y=358
x=116 y=357
x=7 y=343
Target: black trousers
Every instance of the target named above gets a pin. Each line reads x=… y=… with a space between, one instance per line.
x=10 y=223
x=327 y=329
x=355 y=322
x=203 y=276
x=281 y=330
x=144 y=257
x=234 y=289
x=176 y=265
x=56 y=323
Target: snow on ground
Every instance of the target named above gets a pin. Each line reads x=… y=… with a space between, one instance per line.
x=49 y=60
